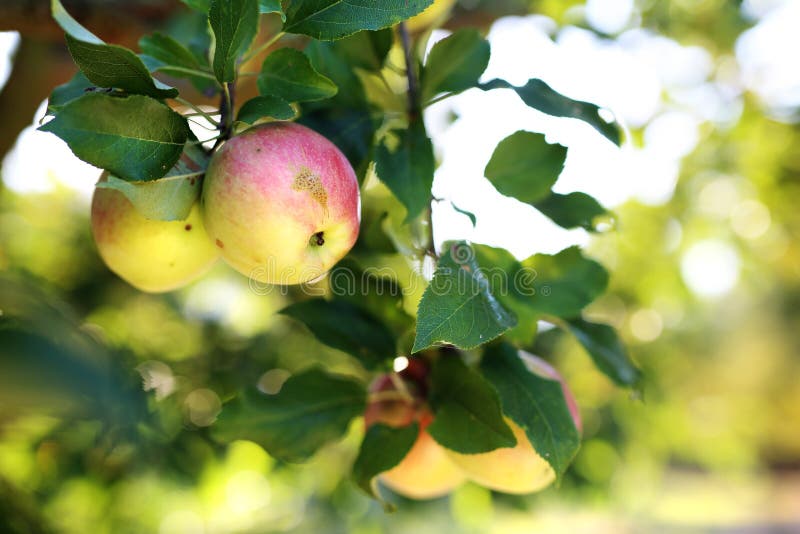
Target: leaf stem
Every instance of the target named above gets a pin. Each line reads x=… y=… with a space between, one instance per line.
x=438 y=99
x=274 y=39
x=400 y=387
x=182 y=176
x=193 y=72
x=199 y=111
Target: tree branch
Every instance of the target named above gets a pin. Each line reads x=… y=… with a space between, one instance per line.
x=414 y=107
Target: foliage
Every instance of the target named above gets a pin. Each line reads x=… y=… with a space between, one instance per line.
x=479 y=307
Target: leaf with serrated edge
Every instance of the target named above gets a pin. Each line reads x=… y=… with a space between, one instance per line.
x=468 y=417
x=170 y=198
x=525 y=166
x=536 y=404
x=312 y=408
x=458 y=306
x=542 y=97
x=383 y=448
x=288 y=74
x=70 y=25
x=607 y=351
x=455 y=63
x=235 y=24
x=407 y=169
x=136 y=138
x=262 y=107
x=328 y=20
x=346 y=327
x=573 y=210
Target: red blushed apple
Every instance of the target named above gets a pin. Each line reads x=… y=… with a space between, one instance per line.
x=153 y=256
x=426 y=472
x=517 y=469
x=281 y=203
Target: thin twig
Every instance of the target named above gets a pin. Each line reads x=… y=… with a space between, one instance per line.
x=226 y=109
x=415 y=114
x=414 y=107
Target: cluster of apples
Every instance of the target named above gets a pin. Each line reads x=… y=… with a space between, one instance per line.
x=429 y=470
x=280 y=204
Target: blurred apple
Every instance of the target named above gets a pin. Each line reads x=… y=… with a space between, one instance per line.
x=282 y=203
x=153 y=256
x=517 y=469
x=426 y=472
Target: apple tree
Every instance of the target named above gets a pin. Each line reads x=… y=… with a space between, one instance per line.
x=337 y=132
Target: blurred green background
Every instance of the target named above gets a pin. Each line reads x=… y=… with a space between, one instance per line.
x=705 y=290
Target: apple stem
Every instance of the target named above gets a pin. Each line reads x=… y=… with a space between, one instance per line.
x=400 y=387
x=318 y=238
x=384 y=396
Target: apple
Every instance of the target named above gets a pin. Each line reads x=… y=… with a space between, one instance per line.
x=426 y=472
x=281 y=203
x=517 y=469
x=153 y=256
x=435 y=14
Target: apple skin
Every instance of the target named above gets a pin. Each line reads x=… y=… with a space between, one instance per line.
x=517 y=469
x=426 y=472
x=282 y=203
x=153 y=256
x=434 y=14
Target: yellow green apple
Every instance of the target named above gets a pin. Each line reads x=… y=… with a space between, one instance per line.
x=281 y=203
x=519 y=469
x=153 y=256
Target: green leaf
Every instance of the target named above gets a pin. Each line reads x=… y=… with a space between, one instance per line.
x=265 y=106
x=70 y=25
x=407 y=168
x=62 y=95
x=455 y=64
x=235 y=24
x=468 y=415
x=312 y=409
x=115 y=66
x=351 y=130
x=382 y=449
x=458 y=306
x=136 y=138
x=168 y=51
x=524 y=166
x=346 y=327
x=333 y=61
x=471 y=216
x=574 y=210
x=162 y=53
x=170 y=198
x=271 y=6
x=536 y=404
x=541 y=96
x=512 y=285
x=566 y=283
x=367 y=49
x=49 y=363
x=328 y=20
x=606 y=349
x=198 y=5
x=288 y=74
